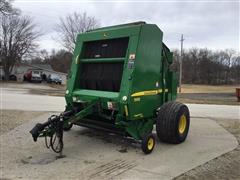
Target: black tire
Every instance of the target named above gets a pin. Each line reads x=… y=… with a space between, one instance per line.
x=68 y=127
x=170 y=122
x=148 y=143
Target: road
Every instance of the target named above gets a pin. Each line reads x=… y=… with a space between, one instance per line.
x=20 y=99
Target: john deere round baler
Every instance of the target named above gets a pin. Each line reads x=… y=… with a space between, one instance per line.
x=120 y=81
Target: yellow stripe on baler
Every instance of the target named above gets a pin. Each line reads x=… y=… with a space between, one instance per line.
x=148 y=93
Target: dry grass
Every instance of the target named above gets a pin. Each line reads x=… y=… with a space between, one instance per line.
x=192 y=88
x=206 y=94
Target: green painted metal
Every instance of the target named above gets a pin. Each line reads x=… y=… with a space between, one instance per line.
x=87 y=110
x=138 y=129
x=145 y=85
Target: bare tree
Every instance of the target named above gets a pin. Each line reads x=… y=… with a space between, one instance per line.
x=228 y=62
x=61 y=60
x=5 y=7
x=17 y=39
x=204 y=66
x=235 y=69
x=71 y=25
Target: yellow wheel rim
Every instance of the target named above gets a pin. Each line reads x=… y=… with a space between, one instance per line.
x=150 y=143
x=182 y=124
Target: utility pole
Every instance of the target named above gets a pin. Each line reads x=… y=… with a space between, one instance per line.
x=180 y=69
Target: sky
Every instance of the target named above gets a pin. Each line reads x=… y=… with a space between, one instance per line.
x=204 y=23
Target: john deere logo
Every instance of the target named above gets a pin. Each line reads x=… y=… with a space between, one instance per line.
x=105 y=34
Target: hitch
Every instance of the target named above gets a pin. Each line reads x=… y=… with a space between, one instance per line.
x=36 y=131
x=53 y=128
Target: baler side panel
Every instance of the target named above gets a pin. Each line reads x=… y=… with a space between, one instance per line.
x=127 y=78
x=146 y=75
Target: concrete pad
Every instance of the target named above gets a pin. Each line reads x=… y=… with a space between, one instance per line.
x=214 y=111
x=92 y=154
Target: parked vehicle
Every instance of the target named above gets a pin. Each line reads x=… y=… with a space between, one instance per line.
x=32 y=76
x=54 y=79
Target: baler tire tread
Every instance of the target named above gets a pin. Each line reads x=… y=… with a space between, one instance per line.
x=167 y=122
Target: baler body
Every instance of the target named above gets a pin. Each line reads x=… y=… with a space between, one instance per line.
x=124 y=72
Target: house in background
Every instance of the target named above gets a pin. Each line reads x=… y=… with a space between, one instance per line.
x=20 y=69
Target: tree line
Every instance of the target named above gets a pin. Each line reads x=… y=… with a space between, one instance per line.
x=205 y=66
x=59 y=60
